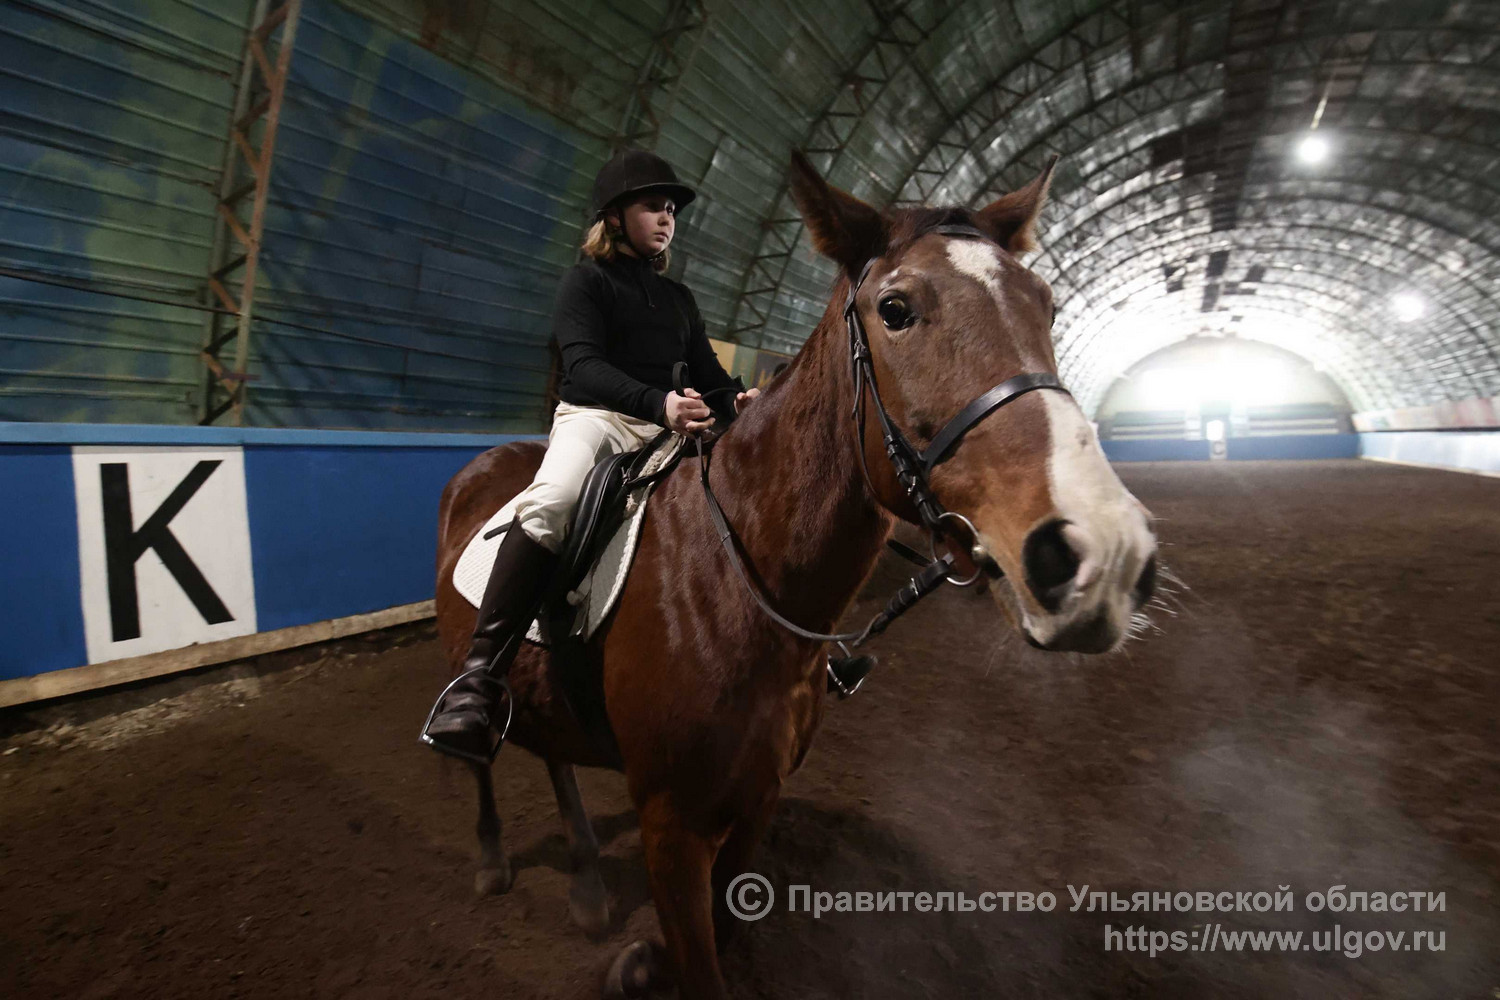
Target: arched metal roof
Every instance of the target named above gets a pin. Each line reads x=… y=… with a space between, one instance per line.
x=436 y=155
x=1179 y=208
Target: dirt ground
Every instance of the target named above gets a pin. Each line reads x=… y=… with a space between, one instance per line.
x=1320 y=710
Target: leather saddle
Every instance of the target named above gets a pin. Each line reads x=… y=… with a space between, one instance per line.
x=596 y=518
x=600 y=511
x=601 y=502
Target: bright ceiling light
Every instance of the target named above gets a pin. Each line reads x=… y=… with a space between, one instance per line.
x=1408 y=306
x=1313 y=149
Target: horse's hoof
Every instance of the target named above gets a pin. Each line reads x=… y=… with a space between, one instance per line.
x=588 y=905
x=634 y=972
x=492 y=881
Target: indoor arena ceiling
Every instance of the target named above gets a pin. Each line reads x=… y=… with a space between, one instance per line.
x=1186 y=203
x=434 y=159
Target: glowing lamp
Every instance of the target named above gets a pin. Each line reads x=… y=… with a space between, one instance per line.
x=1313 y=149
x=1408 y=306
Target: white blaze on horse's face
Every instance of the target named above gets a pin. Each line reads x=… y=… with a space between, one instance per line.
x=981 y=261
x=978 y=260
x=1087 y=560
x=1099 y=530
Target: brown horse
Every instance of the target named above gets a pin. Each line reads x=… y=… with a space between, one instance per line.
x=713 y=704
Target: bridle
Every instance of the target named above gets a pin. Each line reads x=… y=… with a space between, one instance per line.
x=913 y=468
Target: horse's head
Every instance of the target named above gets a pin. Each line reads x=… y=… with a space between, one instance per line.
x=948 y=318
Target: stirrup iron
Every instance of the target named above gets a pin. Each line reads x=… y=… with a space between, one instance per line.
x=847 y=673
x=452 y=751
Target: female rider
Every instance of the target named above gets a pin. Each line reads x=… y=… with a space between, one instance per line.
x=621 y=326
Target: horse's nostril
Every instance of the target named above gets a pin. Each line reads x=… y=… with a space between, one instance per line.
x=1145 y=584
x=1050 y=564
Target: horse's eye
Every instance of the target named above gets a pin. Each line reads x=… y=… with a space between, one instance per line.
x=895 y=313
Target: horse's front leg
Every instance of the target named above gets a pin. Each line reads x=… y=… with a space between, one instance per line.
x=587 y=903
x=734 y=861
x=680 y=864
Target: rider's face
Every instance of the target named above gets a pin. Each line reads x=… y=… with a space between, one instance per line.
x=649 y=222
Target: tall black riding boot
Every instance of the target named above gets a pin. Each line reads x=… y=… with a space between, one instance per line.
x=467 y=711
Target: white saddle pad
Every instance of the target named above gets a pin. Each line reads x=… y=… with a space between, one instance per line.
x=601 y=588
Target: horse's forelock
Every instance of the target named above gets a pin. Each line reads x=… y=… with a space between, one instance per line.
x=910 y=225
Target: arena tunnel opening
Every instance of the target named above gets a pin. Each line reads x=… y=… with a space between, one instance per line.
x=1215 y=387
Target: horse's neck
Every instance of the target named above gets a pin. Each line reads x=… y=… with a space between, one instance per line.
x=790 y=482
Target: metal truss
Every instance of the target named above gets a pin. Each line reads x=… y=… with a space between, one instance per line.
x=1087 y=221
x=900 y=33
x=1004 y=166
x=669 y=57
x=1454 y=209
x=1382 y=215
x=244 y=184
x=1177 y=122
x=1130 y=121
x=1249 y=69
x=1353 y=230
x=1311 y=251
x=1118 y=25
x=1016 y=85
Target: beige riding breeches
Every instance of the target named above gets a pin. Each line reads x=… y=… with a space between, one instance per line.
x=581 y=437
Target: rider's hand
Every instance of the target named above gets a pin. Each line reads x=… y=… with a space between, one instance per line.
x=688 y=414
x=742 y=398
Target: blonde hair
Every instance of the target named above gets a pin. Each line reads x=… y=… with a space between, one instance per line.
x=602 y=242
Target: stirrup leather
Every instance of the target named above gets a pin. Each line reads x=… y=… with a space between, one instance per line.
x=453 y=751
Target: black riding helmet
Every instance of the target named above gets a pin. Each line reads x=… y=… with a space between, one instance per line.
x=635 y=172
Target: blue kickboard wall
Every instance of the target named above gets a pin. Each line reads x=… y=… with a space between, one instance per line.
x=340 y=531
x=333 y=524
x=1280 y=446
x=1164 y=450
x=1294 y=446
x=291 y=527
x=39 y=542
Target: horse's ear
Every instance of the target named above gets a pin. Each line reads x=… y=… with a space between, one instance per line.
x=1011 y=219
x=843 y=228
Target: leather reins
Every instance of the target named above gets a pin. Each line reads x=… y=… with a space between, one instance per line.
x=912 y=467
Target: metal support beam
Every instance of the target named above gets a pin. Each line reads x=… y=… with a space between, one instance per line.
x=889 y=55
x=671 y=54
x=244 y=184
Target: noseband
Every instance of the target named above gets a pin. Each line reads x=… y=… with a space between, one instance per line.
x=912 y=468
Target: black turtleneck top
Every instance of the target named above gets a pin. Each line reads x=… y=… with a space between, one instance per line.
x=621 y=327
